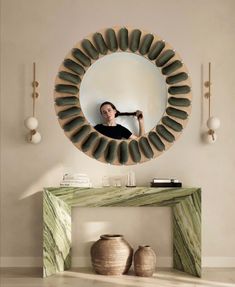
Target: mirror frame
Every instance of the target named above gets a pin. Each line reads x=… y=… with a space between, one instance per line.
x=79 y=130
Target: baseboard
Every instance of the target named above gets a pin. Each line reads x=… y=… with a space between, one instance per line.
x=216 y=262
x=223 y=262
x=20 y=261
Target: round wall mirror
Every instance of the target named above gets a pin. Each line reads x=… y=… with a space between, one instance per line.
x=134 y=70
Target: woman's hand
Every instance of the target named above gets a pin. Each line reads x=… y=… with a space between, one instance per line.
x=139 y=115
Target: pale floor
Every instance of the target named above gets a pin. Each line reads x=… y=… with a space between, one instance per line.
x=85 y=277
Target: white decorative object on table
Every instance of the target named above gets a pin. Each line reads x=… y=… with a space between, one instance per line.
x=76 y=180
x=131 y=182
x=105 y=181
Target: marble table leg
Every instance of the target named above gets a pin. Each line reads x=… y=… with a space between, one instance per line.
x=187 y=234
x=56 y=235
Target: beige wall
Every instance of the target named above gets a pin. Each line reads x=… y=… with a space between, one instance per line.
x=44 y=31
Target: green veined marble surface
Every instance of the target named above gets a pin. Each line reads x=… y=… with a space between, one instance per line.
x=56 y=234
x=186 y=206
x=187 y=235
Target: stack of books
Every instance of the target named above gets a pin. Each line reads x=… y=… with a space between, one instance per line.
x=165 y=182
x=75 y=180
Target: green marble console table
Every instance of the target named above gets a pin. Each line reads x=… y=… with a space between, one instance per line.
x=185 y=203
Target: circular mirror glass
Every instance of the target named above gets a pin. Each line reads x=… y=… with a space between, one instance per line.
x=130 y=82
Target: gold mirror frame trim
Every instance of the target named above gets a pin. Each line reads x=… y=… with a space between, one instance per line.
x=123 y=153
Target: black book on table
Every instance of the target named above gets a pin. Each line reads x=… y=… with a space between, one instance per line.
x=166 y=184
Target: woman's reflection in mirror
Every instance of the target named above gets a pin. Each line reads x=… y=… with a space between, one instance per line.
x=116 y=131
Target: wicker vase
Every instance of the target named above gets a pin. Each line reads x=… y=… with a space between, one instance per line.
x=144 y=261
x=111 y=255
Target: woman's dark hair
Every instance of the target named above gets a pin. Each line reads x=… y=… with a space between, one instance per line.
x=117 y=112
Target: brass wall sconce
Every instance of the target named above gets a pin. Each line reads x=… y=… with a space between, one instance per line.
x=31 y=122
x=213 y=123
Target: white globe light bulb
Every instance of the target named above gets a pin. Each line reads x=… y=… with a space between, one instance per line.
x=213 y=123
x=210 y=137
x=31 y=123
x=36 y=138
